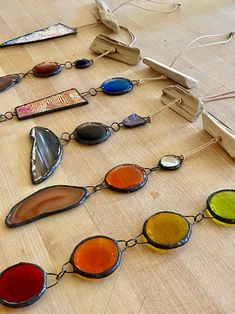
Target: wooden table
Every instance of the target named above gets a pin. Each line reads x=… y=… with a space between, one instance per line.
x=198 y=278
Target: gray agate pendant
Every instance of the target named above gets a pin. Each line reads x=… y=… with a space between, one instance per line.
x=50 y=32
x=45 y=155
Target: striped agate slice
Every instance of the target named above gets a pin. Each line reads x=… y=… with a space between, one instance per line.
x=45 y=202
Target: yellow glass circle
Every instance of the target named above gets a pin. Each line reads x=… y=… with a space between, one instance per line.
x=167 y=230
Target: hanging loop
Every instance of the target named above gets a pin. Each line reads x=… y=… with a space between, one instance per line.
x=7 y=116
x=59 y=275
x=150 y=170
x=96 y=188
x=115 y=126
x=131 y=242
x=68 y=65
x=66 y=137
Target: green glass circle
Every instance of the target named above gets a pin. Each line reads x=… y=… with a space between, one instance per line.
x=221 y=205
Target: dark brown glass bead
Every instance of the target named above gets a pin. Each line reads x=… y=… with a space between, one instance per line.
x=46 y=69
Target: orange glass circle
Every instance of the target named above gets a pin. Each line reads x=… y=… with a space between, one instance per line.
x=126 y=178
x=96 y=257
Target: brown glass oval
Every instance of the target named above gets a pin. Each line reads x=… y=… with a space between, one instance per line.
x=8 y=81
x=46 y=202
x=46 y=69
x=126 y=178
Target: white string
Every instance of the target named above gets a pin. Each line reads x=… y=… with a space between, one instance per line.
x=162 y=77
x=132 y=35
x=227 y=95
x=188 y=47
x=129 y=2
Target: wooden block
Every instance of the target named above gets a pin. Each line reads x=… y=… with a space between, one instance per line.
x=216 y=128
x=179 y=77
x=191 y=106
x=124 y=53
x=106 y=16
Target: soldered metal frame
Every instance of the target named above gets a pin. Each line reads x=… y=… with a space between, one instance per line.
x=75 y=104
x=213 y=214
x=169 y=246
x=17 y=224
x=72 y=31
x=35 y=297
x=131 y=189
x=104 y=274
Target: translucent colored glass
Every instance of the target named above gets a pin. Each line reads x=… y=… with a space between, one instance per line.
x=22 y=284
x=126 y=177
x=221 y=205
x=167 y=230
x=96 y=257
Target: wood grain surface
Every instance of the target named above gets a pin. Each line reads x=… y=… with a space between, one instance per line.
x=198 y=278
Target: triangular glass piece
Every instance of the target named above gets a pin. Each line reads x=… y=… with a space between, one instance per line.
x=45 y=202
x=133 y=120
x=46 y=154
x=50 y=32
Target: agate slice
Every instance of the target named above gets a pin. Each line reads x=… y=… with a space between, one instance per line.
x=22 y=284
x=46 y=154
x=91 y=133
x=96 y=257
x=8 y=81
x=126 y=178
x=117 y=86
x=50 y=32
x=167 y=230
x=45 y=202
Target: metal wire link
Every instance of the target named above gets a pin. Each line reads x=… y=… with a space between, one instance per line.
x=66 y=137
x=96 y=188
x=7 y=116
x=59 y=275
x=131 y=242
x=68 y=65
x=199 y=217
x=115 y=126
x=150 y=170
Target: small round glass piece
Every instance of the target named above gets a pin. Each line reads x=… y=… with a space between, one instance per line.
x=126 y=178
x=117 y=86
x=82 y=63
x=22 y=284
x=170 y=162
x=221 y=205
x=96 y=257
x=46 y=69
x=91 y=133
x=167 y=230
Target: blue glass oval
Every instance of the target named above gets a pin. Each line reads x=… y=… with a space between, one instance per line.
x=117 y=86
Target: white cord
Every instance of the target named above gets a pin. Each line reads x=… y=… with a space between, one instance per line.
x=188 y=47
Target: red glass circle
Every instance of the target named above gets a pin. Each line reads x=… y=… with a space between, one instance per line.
x=21 y=284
